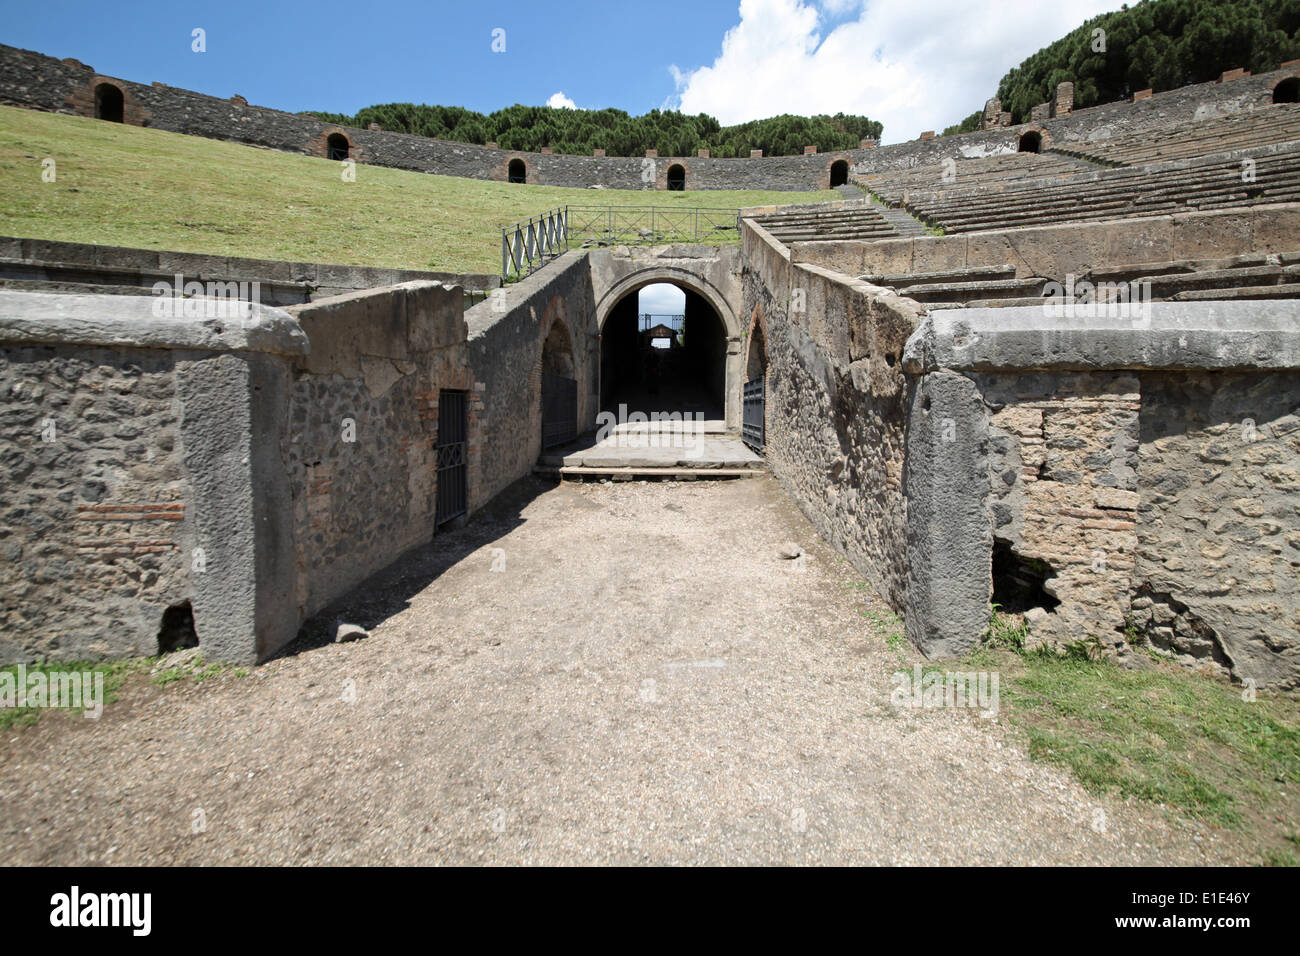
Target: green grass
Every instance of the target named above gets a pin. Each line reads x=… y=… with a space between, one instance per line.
x=130 y=186
x=196 y=670
x=116 y=673
x=888 y=625
x=1006 y=630
x=1158 y=733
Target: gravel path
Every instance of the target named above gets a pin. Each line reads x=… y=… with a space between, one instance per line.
x=646 y=680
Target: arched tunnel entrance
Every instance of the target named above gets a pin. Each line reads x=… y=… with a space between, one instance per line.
x=663 y=349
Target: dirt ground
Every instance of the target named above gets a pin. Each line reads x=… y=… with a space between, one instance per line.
x=643 y=679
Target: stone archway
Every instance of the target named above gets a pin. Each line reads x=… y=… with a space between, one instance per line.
x=558 y=381
x=722 y=348
x=756 y=346
x=337 y=147
x=674 y=275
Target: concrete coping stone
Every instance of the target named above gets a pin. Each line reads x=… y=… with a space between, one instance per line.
x=1166 y=335
x=148 y=322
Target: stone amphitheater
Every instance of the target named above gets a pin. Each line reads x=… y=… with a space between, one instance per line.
x=1051 y=367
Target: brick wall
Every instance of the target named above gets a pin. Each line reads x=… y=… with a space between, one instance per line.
x=1063 y=474
x=82 y=101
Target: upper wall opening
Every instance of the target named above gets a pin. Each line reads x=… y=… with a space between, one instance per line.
x=839 y=173
x=1288 y=91
x=108 y=103
x=337 y=146
x=676 y=177
x=518 y=171
x=1031 y=142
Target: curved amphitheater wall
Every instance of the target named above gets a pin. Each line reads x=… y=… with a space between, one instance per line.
x=36 y=81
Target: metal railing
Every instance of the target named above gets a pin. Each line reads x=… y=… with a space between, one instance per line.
x=531 y=243
x=648 y=320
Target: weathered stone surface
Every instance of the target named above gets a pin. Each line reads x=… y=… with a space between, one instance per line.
x=948 y=535
x=836 y=402
x=42 y=82
x=134 y=321
x=1063 y=471
x=1217 y=529
x=97 y=532
x=1177 y=335
x=505 y=353
x=358 y=446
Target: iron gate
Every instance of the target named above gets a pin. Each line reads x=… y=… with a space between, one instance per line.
x=752 y=427
x=453 y=434
x=559 y=410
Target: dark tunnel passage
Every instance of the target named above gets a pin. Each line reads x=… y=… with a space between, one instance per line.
x=664 y=363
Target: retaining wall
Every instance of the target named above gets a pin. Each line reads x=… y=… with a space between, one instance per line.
x=282 y=282
x=253 y=463
x=1151 y=466
x=506 y=336
x=1107 y=455
x=836 y=402
x=1071 y=248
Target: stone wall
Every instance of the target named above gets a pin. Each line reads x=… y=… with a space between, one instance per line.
x=1218 y=530
x=1142 y=476
x=37 y=81
x=1085 y=471
x=506 y=335
x=1052 y=252
x=122 y=265
x=361 y=430
x=1174 y=109
x=250 y=465
x=1063 y=476
x=100 y=530
x=836 y=402
x=134 y=443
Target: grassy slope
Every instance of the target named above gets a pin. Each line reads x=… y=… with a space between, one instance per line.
x=1181 y=740
x=127 y=186
x=1158 y=732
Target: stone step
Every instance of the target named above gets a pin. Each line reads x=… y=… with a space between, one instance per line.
x=972 y=274
x=71 y=274
x=904 y=223
x=648 y=473
x=961 y=291
x=74 y=288
x=1288 y=290
x=1169 y=285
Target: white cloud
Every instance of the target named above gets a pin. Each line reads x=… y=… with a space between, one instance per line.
x=561 y=102
x=911 y=64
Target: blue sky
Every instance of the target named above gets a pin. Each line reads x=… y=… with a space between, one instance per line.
x=912 y=64
x=345 y=55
